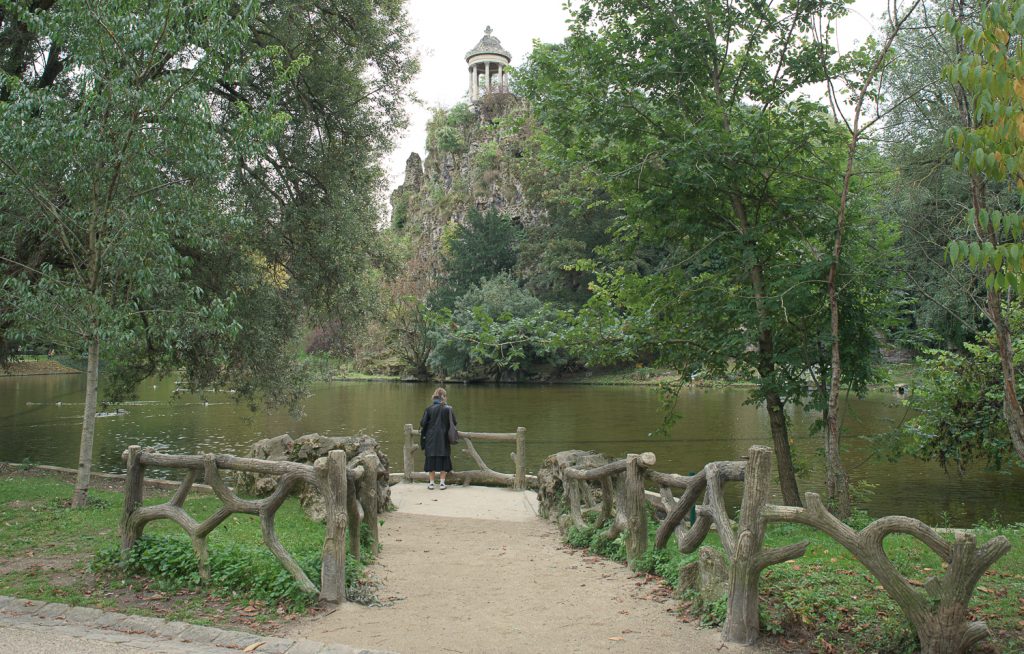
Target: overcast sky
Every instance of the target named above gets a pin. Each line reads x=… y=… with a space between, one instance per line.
x=447 y=29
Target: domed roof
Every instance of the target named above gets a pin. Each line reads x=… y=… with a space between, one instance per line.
x=489 y=45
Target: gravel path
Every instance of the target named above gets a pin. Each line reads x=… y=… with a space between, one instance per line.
x=459 y=579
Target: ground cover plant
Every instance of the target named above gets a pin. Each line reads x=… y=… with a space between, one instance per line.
x=827 y=602
x=55 y=553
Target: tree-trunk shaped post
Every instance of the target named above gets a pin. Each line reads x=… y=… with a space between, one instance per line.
x=133 y=488
x=636 y=505
x=607 y=500
x=353 y=512
x=407 y=449
x=332 y=474
x=572 y=493
x=520 y=481
x=368 y=499
x=744 y=547
x=690 y=538
x=939 y=612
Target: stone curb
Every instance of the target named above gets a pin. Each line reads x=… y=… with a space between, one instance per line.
x=95 y=624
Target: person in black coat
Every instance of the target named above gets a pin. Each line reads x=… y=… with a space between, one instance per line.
x=437 y=451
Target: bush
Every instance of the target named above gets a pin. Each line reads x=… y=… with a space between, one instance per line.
x=446 y=131
x=486 y=158
x=959 y=404
x=497 y=331
x=235 y=569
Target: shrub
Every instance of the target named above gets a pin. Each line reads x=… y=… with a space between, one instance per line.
x=497 y=330
x=959 y=401
x=235 y=569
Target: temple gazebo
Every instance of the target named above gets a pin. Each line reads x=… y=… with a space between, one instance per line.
x=487 y=62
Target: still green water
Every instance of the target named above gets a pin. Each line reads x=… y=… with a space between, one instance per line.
x=40 y=421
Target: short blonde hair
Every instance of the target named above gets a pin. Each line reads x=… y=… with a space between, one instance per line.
x=440 y=394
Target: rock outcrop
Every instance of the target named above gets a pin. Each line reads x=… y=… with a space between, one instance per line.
x=474 y=157
x=307 y=449
x=550 y=493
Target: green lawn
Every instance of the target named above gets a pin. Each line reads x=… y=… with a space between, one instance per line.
x=54 y=553
x=828 y=601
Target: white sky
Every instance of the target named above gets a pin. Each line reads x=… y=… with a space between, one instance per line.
x=447 y=29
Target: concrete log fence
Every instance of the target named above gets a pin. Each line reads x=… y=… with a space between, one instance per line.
x=595 y=492
x=518 y=480
x=348 y=500
x=938 y=611
x=622 y=497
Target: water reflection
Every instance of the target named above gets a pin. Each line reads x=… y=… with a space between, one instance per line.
x=40 y=420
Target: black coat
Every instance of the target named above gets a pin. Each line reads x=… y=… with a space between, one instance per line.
x=434 y=430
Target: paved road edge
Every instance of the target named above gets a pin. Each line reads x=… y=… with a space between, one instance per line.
x=96 y=624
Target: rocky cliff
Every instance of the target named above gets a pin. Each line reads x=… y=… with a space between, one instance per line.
x=475 y=160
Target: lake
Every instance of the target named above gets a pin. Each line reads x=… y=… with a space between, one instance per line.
x=40 y=421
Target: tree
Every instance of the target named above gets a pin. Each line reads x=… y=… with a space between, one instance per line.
x=198 y=188
x=689 y=118
x=120 y=172
x=474 y=251
x=314 y=195
x=857 y=73
x=990 y=144
x=943 y=303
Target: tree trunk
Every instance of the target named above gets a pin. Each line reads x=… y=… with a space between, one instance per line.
x=1012 y=410
x=783 y=455
x=837 y=483
x=92 y=383
x=765 y=370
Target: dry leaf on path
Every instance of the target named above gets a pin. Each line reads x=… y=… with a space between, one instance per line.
x=252 y=648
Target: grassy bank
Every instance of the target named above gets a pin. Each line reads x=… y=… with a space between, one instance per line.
x=54 y=553
x=827 y=602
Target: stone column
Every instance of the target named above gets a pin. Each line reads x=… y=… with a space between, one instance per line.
x=472 y=80
x=501 y=78
x=487 y=87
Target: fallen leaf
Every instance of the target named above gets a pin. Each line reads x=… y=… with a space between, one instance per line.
x=616 y=638
x=252 y=648
x=984 y=590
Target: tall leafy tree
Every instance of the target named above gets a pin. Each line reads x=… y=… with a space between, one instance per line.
x=314 y=194
x=689 y=116
x=486 y=244
x=855 y=77
x=943 y=303
x=117 y=173
x=990 y=140
x=197 y=186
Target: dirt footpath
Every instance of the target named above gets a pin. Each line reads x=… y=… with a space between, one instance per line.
x=458 y=579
